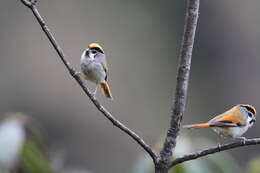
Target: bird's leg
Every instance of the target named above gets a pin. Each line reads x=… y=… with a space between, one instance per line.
x=219 y=142
x=80 y=74
x=220 y=138
x=243 y=139
x=219 y=146
x=95 y=91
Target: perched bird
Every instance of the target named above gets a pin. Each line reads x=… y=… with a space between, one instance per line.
x=232 y=123
x=94 y=68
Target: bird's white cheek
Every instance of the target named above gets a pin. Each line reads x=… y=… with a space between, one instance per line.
x=249 y=122
x=91 y=56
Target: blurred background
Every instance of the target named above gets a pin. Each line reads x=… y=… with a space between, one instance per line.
x=141 y=40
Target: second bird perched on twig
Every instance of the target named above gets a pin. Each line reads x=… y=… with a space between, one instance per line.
x=232 y=123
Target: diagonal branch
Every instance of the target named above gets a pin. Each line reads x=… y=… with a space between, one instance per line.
x=192 y=13
x=31 y=5
x=215 y=149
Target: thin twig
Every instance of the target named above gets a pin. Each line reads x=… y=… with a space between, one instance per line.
x=192 y=14
x=72 y=71
x=214 y=149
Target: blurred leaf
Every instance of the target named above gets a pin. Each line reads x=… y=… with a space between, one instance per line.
x=33 y=160
x=143 y=165
x=254 y=166
x=217 y=163
x=193 y=166
x=178 y=169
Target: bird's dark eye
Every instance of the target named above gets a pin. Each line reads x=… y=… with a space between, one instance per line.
x=87 y=53
x=249 y=114
x=94 y=51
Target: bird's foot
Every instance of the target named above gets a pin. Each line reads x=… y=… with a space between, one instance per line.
x=243 y=139
x=94 y=92
x=219 y=146
x=79 y=74
x=93 y=95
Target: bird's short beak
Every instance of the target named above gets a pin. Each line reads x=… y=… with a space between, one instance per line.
x=253 y=120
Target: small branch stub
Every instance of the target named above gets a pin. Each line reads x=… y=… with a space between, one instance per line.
x=29 y=3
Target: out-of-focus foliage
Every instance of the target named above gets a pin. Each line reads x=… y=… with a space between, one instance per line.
x=217 y=163
x=254 y=166
x=33 y=160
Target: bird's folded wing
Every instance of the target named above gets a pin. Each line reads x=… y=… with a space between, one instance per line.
x=224 y=123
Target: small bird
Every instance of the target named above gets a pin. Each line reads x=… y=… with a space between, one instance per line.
x=94 y=68
x=232 y=123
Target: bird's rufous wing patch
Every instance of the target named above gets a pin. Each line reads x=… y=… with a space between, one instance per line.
x=227 y=121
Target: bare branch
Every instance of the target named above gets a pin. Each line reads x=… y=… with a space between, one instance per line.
x=107 y=114
x=215 y=149
x=29 y=3
x=192 y=14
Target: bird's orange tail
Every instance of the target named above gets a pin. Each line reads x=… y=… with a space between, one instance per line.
x=105 y=88
x=197 y=126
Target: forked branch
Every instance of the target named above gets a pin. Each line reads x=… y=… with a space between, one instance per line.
x=192 y=14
